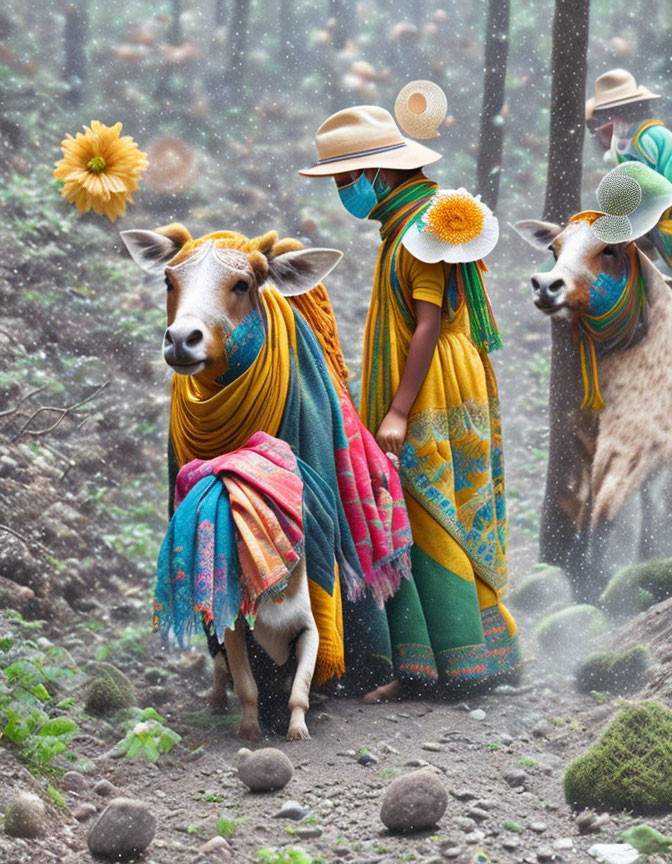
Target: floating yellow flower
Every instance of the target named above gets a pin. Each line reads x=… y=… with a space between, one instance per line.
x=456 y=227
x=100 y=170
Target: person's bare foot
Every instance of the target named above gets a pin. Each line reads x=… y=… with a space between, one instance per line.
x=384 y=693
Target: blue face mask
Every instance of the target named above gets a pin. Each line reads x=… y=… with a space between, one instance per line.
x=361 y=196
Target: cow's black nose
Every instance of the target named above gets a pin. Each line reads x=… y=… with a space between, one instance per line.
x=184 y=343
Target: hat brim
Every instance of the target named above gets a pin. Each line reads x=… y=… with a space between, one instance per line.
x=636 y=97
x=624 y=229
x=413 y=155
x=424 y=246
x=656 y=198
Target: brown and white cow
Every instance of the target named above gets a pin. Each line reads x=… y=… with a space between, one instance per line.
x=210 y=290
x=608 y=497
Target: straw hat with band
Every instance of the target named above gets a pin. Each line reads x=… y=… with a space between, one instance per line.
x=365 y=136
x=618 y=87
x=420 y=108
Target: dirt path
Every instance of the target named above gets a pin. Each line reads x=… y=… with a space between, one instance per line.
x=503 y=772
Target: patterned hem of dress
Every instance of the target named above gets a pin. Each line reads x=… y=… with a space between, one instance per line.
x=497 y=655
x=415 y=662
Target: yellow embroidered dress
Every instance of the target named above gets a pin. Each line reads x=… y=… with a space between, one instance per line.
x=449 y=619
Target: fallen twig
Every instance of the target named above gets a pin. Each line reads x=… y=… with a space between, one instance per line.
x=25 y=541
x=62 y=411
x=22 y=400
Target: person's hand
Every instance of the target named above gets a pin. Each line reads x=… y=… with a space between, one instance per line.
x=392 y=432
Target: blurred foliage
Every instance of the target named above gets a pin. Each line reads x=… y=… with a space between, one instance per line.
x=36 y=714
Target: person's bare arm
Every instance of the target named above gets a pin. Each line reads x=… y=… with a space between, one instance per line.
x=392 y=431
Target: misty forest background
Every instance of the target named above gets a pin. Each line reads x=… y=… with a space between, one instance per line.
x=225 y=97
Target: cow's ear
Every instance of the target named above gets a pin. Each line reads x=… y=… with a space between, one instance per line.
x=538 y=234
x=296 y=272
x=152 y=250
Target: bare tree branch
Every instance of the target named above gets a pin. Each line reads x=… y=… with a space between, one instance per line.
x=22 y=400
x=63 y=412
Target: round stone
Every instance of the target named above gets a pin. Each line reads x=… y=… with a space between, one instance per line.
x=73 y=781
x=413 y=802
x=84 y=812
x=105 y=789
x=125 y=826
x=26 y=816
x=265 y=770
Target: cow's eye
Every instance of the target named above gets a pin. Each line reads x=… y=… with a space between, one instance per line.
x=608 y=250
x=169 y=284
x=240 y=287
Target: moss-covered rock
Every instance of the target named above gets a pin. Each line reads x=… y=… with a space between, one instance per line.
x=647 y=840
x=565 y=636
x=542 y=589
x=110 y=690
x=617 y=673
x=630 y=767
x=633 y=589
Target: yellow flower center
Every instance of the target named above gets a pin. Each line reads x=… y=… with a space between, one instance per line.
x=96 y=165
x=455 y=219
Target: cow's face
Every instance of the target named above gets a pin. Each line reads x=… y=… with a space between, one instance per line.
x=213 y=284
x=584 y=267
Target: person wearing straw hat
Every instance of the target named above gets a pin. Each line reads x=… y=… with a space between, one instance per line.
x=621 y=117
x=429 y=396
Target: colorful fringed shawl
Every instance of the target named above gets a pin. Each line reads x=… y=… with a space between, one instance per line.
x=243 y=508
x=451 y=462
x=235 y=537
x=208 y=419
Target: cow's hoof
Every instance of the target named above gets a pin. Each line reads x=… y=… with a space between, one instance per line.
x=218 y=702
x=298 y=732
x=249 y=730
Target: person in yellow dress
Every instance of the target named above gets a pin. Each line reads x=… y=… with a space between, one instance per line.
x=429 y=396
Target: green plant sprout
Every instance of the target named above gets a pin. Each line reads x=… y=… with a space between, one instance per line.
x=147 y=736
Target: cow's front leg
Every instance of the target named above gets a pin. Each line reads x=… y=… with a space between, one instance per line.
x=218 y=700
x=306 y=655
x=243 y=681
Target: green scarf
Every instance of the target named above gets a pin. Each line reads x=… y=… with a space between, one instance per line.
x=403 y=207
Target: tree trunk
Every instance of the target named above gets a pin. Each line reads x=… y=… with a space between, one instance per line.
x=220 y=12
x=238 y=46
x=287 y=37
x=563 y=533
x=341 y=12
x=489 y=164
x=76 y=33
x=175 y=35
x=568 y=95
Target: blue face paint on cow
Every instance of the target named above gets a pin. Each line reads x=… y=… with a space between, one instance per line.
x=242 y=346
x=605 y=291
